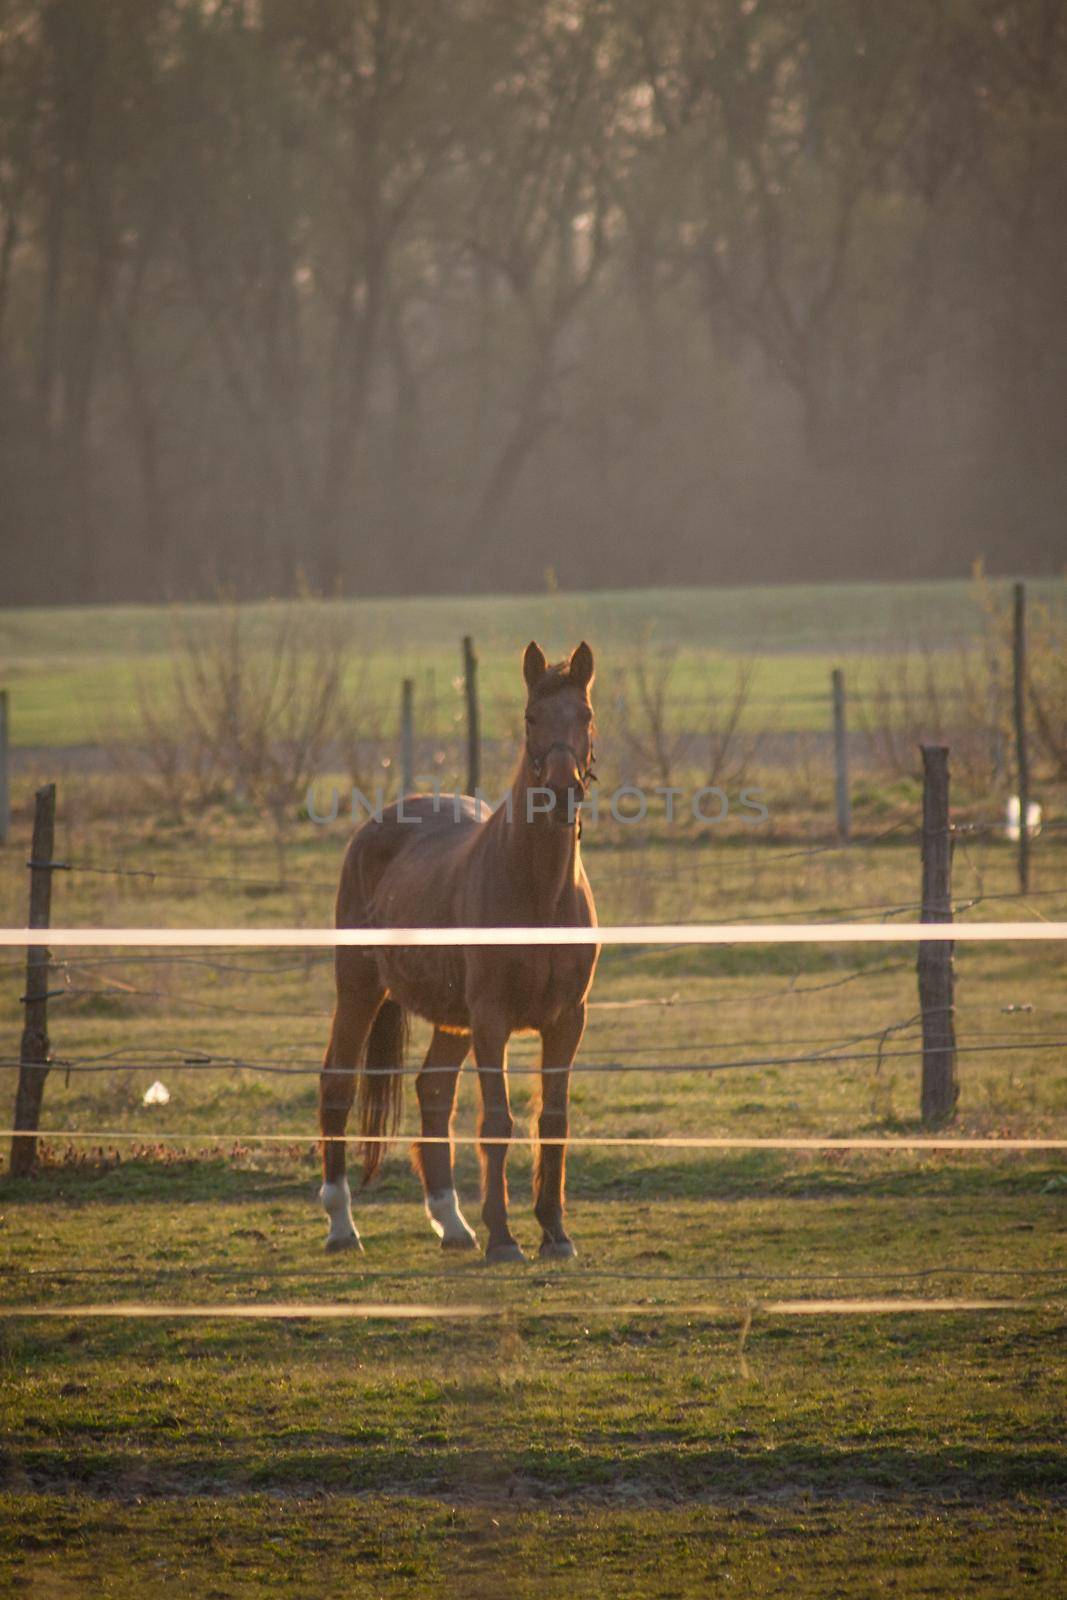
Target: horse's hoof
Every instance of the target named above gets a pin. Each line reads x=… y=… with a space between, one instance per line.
x=343 y=1241
x=460 y=1244
x=497 y=1254
x=557 y=1250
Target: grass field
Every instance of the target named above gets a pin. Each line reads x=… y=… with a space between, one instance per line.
x=563 y=1445
x=635 y=1424
x=76 y=676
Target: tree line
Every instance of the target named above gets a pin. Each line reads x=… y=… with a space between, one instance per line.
x=402 y=296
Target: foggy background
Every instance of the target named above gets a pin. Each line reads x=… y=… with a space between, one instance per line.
x=413 y=296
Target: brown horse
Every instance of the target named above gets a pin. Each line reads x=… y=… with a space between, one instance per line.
x=447 y=861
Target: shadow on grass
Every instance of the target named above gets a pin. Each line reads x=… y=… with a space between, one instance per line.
x=158 y=1182
x=675 y=1469
x=594 y=1174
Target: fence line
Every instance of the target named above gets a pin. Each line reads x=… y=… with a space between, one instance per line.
x=936 y=940
x=902 y=828
x=574 y=1274
x=467 y=1311
x=668 y=1002
x=827 y=1057
x=614 y=1141
x=105 y=869
x=680 y=933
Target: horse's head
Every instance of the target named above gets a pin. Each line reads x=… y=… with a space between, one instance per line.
x=559 y=727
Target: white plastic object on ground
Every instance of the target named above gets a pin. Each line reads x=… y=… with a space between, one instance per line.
x=1013 y=818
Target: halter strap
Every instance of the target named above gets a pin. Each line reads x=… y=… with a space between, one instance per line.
x=586 y=775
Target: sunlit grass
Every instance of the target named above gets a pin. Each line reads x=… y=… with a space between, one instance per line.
x=562 y=1440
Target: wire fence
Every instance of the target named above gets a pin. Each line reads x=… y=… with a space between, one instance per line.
x=835 y=1054
x=1037 y=1290
x=688 y=860
x=89 y=977
x=837 y=1050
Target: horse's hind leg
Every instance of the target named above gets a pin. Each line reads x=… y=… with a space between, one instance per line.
x=436 y=1087
x=359 y=994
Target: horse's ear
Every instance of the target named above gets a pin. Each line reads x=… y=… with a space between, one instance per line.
x=534 y=664
x=581 y=669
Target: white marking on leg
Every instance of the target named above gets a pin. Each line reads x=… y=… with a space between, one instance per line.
x=446 y=1219
x=337 y=1203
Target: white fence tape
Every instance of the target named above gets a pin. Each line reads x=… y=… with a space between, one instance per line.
x=693 y=933
x=348 y=1311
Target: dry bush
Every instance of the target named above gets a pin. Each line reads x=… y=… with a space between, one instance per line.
x=252 y=711
x=661 y=729
x=1047 y=683
x=362 y=739
x=809 y=769
x=732 y=747
x=927 y=696
x=964 y=698
x=1046 y=674
x=655 y=728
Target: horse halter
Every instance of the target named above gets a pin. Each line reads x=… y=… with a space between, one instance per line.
x=586 y=775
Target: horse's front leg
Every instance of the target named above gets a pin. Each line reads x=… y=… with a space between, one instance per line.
x=494 y=1130
x=559 y=1046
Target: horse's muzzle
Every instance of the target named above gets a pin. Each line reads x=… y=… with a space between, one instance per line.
x=568 y=799
x=561 y=779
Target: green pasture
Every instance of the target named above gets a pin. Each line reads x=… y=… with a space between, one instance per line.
x=99 y=701
x=636 y=1422
x=79 y=676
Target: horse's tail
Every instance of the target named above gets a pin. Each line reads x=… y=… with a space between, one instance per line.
x=381 y=1084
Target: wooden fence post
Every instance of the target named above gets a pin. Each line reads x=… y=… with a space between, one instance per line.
x=34 y=1050
x=940 y=1087
x=1022 y=758
x=841 y=791
x=474 y=737
x=5 y=770
x=407 y=737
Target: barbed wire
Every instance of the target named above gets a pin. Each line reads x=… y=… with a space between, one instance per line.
x=831 y=1055
x=1000 y=827
x=762 y=856
x=166 y=874
x=848 y=912
x=266 y=969
x=670 y=1002
x=120 y=991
